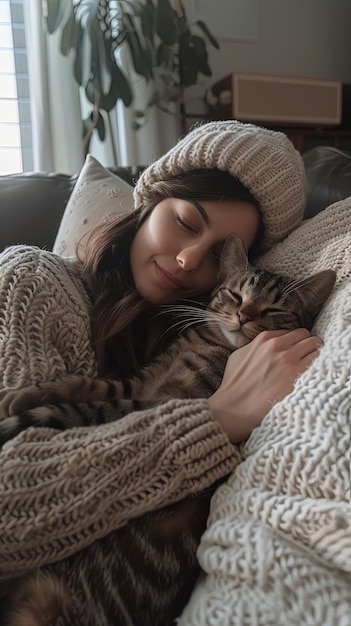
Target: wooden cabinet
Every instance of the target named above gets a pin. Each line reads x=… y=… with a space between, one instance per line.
x=306 y=138
x=303 y=138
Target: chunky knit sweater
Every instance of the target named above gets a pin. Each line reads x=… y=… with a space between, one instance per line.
x=277 y=550
x=59 y=491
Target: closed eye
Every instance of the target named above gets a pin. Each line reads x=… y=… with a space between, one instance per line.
x=271 y=311
x=184 y=225
x=236 y=297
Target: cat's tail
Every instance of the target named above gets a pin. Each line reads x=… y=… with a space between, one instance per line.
x=38 y=601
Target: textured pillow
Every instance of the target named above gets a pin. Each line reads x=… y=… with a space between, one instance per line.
x=97 y=195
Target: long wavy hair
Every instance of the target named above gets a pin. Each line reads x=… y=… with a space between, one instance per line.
x=127 y=331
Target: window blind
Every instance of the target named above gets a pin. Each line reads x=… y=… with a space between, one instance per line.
x=15 y=119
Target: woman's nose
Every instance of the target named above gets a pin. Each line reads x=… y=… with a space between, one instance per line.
x=190 y=259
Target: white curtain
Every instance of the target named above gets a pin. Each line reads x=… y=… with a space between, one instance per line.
x=57 y=107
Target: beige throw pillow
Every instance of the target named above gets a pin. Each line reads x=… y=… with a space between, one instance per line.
x=97 y=195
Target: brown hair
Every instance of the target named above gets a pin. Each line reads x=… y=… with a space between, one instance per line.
x=125 y=333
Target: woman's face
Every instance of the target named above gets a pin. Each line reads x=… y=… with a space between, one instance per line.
x=175 y=253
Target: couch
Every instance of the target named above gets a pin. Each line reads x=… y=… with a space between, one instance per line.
x=32 y=204
x=277 y=548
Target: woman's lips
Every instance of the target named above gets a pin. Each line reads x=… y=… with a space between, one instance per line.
x=166 y=279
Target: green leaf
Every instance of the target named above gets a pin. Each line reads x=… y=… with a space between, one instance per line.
x=182 y=25
x=142 y=62
x=77 y=65
x=122 y=86
x=101 y=62
x=156 y=36
x=147 y=17
x=188 y=65
x=200 y=54
x=208 y=34
x=148 y=60
x=86 y=53
x=55 y=11
x=100 y=126
x=120 y=89
x=188 y=75
x=90 y=91
x=67 y=36
x=94 y=59
x=166 y=27
x=89 y=125
x=136 y=52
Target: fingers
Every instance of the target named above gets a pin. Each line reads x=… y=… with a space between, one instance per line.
x=265 y=371
x=284 y=338
x=287 y=353
x=308 y=347
x=299 y=340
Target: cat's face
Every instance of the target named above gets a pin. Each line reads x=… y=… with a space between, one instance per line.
x=250 y=300
x=247 y=305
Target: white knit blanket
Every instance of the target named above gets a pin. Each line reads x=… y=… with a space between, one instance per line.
x=278 y=546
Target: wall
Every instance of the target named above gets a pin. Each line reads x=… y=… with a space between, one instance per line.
x=297 y=38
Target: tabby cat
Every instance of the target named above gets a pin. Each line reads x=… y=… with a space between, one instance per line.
x=143 y=574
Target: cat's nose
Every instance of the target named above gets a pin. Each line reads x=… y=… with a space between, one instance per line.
x=243 y=317
x=247 y=312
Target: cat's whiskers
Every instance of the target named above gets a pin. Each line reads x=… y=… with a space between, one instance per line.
x=294 y=285
x=184 y=304
x=189 y=316
x=183 y=325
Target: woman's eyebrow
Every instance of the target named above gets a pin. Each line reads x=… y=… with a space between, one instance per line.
x=201 y=210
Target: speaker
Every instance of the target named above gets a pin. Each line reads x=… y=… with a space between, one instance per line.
x=346 y=107
x=277 y=100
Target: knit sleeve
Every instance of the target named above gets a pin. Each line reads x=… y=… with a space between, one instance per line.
x=44 y=318
x=59 y=491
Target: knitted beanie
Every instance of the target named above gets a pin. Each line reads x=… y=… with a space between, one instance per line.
x=265 y=161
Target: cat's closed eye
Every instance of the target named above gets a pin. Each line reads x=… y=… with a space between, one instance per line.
x=236 y=297
x=271 y=311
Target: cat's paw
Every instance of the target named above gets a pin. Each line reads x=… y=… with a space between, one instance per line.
x=17 y=401
x=38 y=417
x=9 y=428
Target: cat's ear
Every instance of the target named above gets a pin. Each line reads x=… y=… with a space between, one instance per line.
x=314 y=291
x=233 y=258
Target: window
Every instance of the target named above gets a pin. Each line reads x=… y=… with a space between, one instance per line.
x=15 y=120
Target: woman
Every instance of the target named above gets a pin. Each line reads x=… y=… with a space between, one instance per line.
x=61 y=491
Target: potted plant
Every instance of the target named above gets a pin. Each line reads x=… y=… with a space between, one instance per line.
x=164 y=49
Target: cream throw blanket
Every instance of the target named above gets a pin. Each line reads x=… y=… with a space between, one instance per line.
x=278 y=546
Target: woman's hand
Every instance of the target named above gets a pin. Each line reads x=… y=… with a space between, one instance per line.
x=259 y=375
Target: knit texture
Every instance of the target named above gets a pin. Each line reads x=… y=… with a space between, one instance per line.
x=265 y=161
x=278 y=545
x=41 y=338
x=59 y=491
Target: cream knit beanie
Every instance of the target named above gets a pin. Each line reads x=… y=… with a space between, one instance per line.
x=265 y=161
